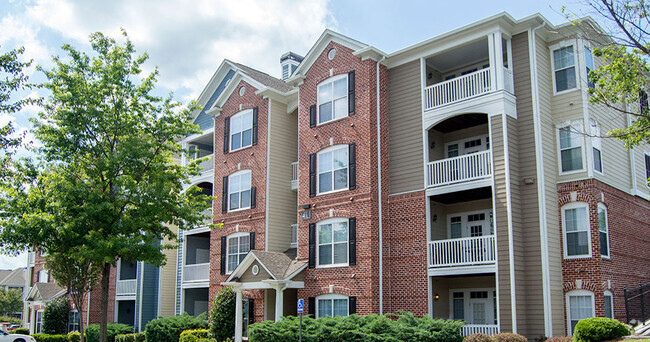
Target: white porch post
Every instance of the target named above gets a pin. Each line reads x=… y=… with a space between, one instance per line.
x=279 y=301
x=498 y=60
x=239 y=315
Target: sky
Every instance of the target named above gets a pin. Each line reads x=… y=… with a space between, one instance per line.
x=188 y=39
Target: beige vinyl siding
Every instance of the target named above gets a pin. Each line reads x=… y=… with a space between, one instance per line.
x=282 y=201
x=405 y=144
x=545 y=91
x=168 y=280
x=501 y=223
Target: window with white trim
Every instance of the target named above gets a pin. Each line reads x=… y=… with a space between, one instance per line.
x=603 y=230
x=239 y=190
x=564 y=68
x=589 y=65
x=594 y=132
x=332 y=242
x=608 y=302
x=579 y=305
x=647 y=167
x=333 y=171
x=241 y=130
x=332 y=305
x=43 y=276
x=73 y=320
x=571 y=142
x=238 y=246
x=575 y=225
x=38 y=324
x=333 y=99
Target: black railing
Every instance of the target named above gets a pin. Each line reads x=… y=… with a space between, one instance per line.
x=636 y=300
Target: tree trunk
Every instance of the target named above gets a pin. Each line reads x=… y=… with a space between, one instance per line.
x=103 y=322
x=78 y=300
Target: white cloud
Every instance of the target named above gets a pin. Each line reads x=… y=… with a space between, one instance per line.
x=6 y=118
x=188 y=39
x=17 y=31
x=12 y=262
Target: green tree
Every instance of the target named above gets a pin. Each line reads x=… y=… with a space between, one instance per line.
x=10 y=301
x=55 y=316
x=109 y=186
x=222 y=314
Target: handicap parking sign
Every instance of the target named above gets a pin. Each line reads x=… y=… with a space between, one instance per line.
x=301 y=303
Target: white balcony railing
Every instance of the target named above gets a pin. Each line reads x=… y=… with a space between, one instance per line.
x=508 y=81
x=294 y=236
x=294 y=176
x=478 y=250
x=208 y=165
x=460 y=169
x=487 y=329
x=196 y=272
x=125 y=287
x=208 y=213
x=458 y=89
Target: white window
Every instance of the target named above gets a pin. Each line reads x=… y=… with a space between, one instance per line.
x=333 y=242
x=333 y=169
x=239 y=190
x=73 y=320
x=594 y=132
x=238 y=246
x=332 y=305
x=589 y=61
x=575 y=224
x=241 y=130
x=333 y=99
x=580 y=305
x=43 y=276
x=564 y=68
x=608 y=301
x=603 y=230
x=39 y=322
x=571 y=142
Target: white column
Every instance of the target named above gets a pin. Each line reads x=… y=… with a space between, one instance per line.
x=498 y=60
x=239 y=316
x=492 y=58
x=279 y=301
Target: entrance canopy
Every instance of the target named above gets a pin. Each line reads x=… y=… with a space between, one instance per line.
x=267 y=270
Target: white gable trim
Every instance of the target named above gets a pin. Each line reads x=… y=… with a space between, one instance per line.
x=212 y=85
x=245 y=264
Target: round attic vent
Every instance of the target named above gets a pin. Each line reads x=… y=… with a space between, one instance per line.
x=255 y=270
x=331 y=54
x=242 y=90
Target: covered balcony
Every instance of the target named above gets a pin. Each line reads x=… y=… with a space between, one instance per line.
x=126 y=278
x=200 y=146
x=206 y=189
x=462 y=233
x=459 y=151
x=196 y=264
x=468 y=71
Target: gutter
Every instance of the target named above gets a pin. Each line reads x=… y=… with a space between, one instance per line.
x=381 y=226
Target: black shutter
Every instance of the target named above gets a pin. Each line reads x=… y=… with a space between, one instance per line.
x=223 y=255
x=352 y=164
x=352 y=305
x=255 y=126
x=312 y=245
x=647 y=166
x=352 y=240
x=253 y=197
x=312 y=175
x=251 y=311
x=351 y=92
x=312 y=116
x=252 y=240
x=226 y=135
x=312 y=306
x=224 y=196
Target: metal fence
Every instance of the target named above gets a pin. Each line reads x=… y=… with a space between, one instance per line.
x=637 y=304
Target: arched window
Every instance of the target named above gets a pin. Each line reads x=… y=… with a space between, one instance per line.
x=603 y=230
x=238 y=245
x=579 y=305
x=241 y=130
x=239 y=190
x=608 y=301
x=333 y=170
x=333 y=99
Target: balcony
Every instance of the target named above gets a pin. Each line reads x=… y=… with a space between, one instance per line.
x=196 y=272
x=487 y=329
x=294 y=176
x=470 y=251
x=125 y=287
x=208 y=165
x=459 y=169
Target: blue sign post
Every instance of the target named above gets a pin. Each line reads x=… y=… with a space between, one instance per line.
x=301 y=309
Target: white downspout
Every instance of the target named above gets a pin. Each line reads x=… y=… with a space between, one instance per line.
x=381 y=226
x=541 y=198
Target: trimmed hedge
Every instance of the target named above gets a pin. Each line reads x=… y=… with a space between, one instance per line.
x=560 y=339
x=169 y=329
x=20 y=331
x=50 y=338
x=509 y=337
x=74 y=336
x=597 y=329
x=478 y=337
x=137 y=337
x=194 y=335
x=358 y=328
x=113 y=329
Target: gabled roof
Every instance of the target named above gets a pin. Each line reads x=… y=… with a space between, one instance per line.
x=277 y=264
x=45 y=292
x=265 y=78
x=15 y=278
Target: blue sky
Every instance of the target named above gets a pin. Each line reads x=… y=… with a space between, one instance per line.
x=188 y=39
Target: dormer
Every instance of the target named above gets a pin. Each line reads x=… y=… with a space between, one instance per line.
x=289 y=62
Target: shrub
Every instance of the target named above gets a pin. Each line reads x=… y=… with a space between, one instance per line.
x=194 y=335
x=113 y=329
x=509 y=337
x=169 y=329
x=600 y=329
x=222 y=315
x=560 y=339
x=49 y=338
x=357 y=328
x=55 y=316
x=20 y=331
x=137 y=337
x=10 y=320
x=478 y=338
x=74 y=336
